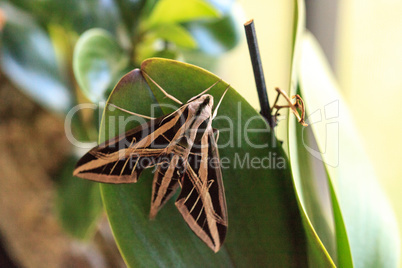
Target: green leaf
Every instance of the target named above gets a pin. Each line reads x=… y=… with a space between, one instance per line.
x=175 y=34
x=314 y=195
x=167 y=54
x=314 y=210
x=316 y=192
x=78 y=203
x=76 y=15
x=29 y=60
x=309 y=177
x=218 y=36
x=369 y=222
x=264 y=224
x=131 y=11
x=98 y=62
x=345 y=259
x=177 y=11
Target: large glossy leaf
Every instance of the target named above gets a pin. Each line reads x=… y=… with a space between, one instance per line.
x=368 y=219
x=28 y=59
x=265 y=228
x=315 y=221
x=98 y=62
x=314 y=196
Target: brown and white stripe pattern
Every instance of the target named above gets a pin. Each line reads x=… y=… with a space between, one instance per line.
x=182 y=148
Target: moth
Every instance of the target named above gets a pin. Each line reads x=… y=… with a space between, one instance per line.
x=182 y=148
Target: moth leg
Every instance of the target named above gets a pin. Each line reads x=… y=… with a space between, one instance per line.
x=216 y=134
x=131 y=150
x=202 y=208
x=299 y=104
x=195 y=203
x=163 y=91
x=166 y=138
x=199 y=214
x=188 y=196
x=132 y=113
x=114 y=166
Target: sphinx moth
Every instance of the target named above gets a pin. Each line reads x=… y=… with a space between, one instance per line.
x=181 y=147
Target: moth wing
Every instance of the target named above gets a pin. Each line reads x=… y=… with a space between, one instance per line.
x=123 y=158
x=202 y=200
x=166 y=181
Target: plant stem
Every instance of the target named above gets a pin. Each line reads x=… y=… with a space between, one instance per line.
x=258 y=72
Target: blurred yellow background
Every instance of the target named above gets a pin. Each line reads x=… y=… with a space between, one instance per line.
x=363 y=41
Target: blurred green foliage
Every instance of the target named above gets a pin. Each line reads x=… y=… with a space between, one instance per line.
x=39 y=38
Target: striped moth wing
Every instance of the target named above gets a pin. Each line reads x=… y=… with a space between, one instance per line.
x=123 y=158
x=202 y=198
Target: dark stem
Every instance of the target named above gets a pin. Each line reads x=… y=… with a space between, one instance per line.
x=258 y=72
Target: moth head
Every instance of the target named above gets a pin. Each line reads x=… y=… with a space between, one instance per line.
x=206 y=100
x=202 y=102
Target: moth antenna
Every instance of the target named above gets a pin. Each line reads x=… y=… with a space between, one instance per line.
x=163 y=91
x=219 y=103
x=130 y=112
x=205 y=91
